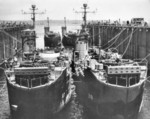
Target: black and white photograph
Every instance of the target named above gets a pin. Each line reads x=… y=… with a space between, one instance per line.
x=74 y=59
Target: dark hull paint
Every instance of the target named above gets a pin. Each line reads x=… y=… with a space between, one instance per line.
x=52 y=41
x=69 y=41
x=37 y=103
x=107 y=101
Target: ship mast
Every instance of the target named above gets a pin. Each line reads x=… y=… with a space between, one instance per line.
x=65 y=21
x=84 y=17
x=85 y=7
x=48 y=21
x=33 y=13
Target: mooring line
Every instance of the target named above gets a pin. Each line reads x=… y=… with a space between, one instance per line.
x=2 y=87
x=148 y=81
x=6 y=33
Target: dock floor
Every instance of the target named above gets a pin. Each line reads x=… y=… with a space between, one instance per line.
x=73 y=110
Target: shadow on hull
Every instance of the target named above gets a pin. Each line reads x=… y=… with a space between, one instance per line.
x=52 y=41
x=108 y=102
x=40 y=102
x=69 y=41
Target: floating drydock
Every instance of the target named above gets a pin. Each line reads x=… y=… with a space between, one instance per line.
x=132 y=39
x=10 y=38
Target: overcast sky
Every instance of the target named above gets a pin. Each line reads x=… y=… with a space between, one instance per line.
x=58 y=9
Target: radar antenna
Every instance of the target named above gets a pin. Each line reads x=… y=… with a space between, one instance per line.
x=85 y=7
x=33 y=13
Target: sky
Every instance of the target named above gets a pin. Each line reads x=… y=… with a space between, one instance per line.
x=58 y=9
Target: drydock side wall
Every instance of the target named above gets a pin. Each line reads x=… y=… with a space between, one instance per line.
x=136 y=45
x=10 y=38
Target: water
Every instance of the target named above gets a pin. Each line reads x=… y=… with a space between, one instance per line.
x=74 y=109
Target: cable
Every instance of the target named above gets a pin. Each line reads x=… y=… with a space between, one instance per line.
x=113 y=42
x=6 y=46
x=2 y=87
x=10 y=36
x=124 y=40
x=145 y=57
x=114 y=48
x=148 y=80
x=116 y=36
x=128 y=43
x=99 y=33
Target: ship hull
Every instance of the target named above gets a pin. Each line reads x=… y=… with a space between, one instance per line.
x=40 y=102
x=52 y=41
x=108 y=101
x=69 y=41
